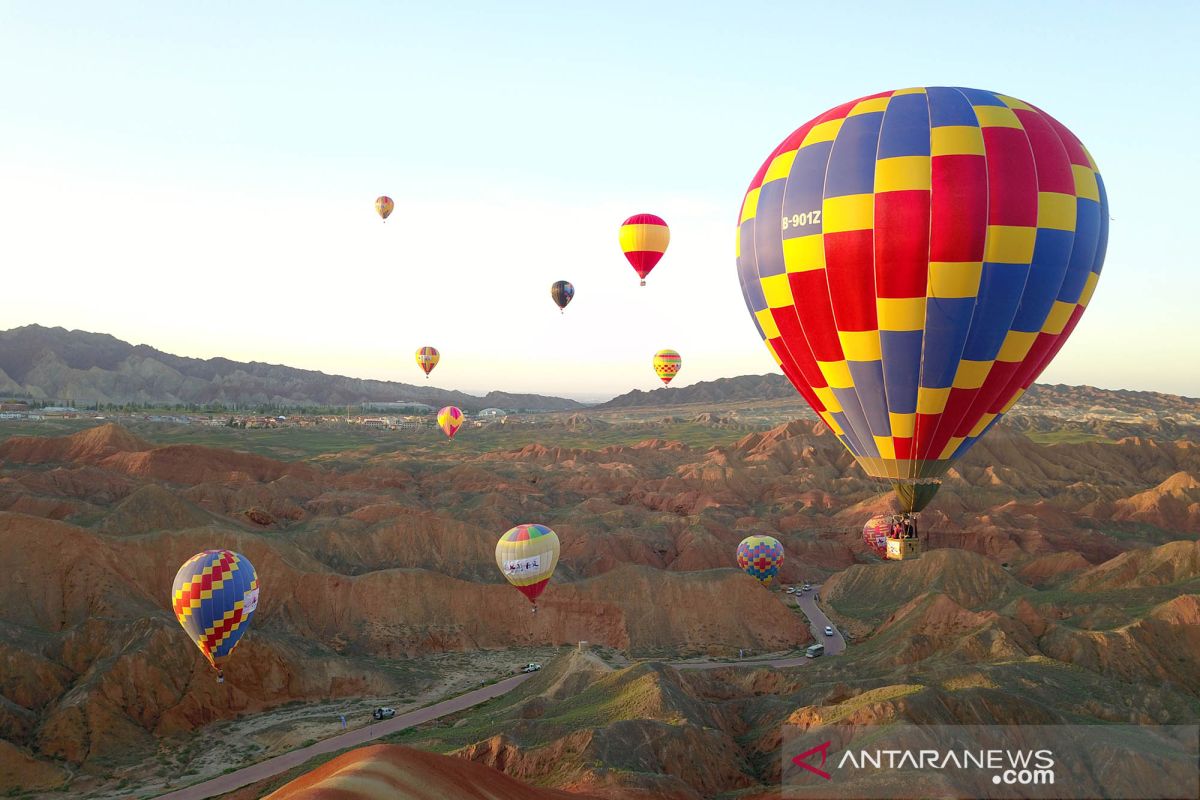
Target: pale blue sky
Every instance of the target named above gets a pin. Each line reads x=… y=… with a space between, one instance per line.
x=200 y=177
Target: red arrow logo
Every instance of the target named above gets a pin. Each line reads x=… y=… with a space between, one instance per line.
x=800 y=760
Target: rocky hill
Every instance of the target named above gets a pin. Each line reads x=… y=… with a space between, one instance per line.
x=1060 y=585
x=402 y=773
x=88 y=368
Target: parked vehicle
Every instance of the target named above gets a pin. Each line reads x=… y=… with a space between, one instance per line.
x=384 y=713
x=814 y=651
x=531 y=667
x=791 y=590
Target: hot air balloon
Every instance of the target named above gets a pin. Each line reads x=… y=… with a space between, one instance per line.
x=644 y=239
x=913 y=260
x=450 y=419
x=384 y=206
x=666 y=365
x=760 y=557
x=562 y=292
x=214 y=596
x=427 y=359
x=527 y=555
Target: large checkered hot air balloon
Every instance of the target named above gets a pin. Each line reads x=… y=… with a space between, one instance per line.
x=914 y=259
x=527 y=555
x=760 y=557
x=214 y=597
x=644 y=239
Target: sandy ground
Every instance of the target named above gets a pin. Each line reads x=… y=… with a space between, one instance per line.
x=232 y=744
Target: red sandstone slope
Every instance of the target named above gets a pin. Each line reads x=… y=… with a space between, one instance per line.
x=85 y=447
x=393 y=772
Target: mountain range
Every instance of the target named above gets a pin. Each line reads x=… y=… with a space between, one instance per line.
x=96 y=368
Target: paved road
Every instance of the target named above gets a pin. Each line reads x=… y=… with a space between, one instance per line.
x=817 y=622
x=278 y=764
x=273 y=766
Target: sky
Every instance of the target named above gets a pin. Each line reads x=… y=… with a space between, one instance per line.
x=201 y=177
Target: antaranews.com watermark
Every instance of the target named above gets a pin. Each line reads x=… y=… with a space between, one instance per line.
x=993 y=762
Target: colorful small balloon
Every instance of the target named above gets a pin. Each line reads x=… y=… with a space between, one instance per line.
x=450 y=419
x=875 y=533
x=214 y=597
x=644 y=239
x=760 y=557
x=384 y=206
x=527 y=555
x=562 y=292
x=427 y=359
x=666 y=365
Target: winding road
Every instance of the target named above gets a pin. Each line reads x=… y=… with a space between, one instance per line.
x=274 y=766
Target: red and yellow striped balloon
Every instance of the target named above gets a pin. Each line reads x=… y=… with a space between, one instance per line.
x=913 y=260
x=644 y=239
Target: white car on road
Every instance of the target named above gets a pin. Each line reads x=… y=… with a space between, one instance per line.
x=829 y=630
x=531 y=667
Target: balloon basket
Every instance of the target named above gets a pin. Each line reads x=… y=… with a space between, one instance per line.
x=643 y=283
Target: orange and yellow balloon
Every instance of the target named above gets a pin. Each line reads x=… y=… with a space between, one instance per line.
x=384 y=206
x=427 y=359
x=666 y=365
x=450 y=419
x=644 y=239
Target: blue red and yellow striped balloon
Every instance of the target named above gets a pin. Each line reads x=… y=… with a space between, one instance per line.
x=427 y=358
x=450 y=419
x=214 y=597
x=527 y=555
x=760 y=557
x=913 y=260
x=644 y=239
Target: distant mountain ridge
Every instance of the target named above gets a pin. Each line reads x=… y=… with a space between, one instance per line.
x=723 y=390
x=54 y=363
x=1045 y=398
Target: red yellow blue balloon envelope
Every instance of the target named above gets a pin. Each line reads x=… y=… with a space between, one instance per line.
x=667 y=364
x=760 y=557
x=384 y=206
x=450 y=419
x=913 y=260
x=644 y=239
x=214 y=597
x=427 y=359
x=527 y=555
